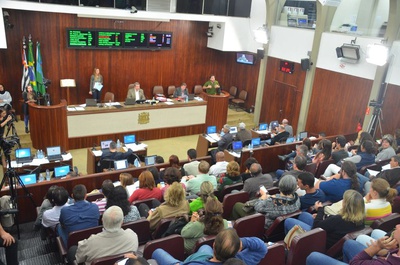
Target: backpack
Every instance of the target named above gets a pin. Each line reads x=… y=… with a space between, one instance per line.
x=176 y=226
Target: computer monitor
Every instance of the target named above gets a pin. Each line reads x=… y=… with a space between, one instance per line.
x=211 y=129
x=303 y=135
x=130 y=139
x=120 y=164
x=237 y=145
x=274 y=125
x=28 y=179
x=263 y=126
x=255 y=142
x=150 y=160
x=23 y=152
x=105 y=144
x=60 y=172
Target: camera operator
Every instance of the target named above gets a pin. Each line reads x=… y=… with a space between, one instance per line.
x=4 y=119
x=5 y=97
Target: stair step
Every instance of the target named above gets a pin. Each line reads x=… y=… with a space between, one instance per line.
x=49 y=258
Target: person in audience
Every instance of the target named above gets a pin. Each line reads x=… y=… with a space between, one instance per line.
x=46 y=205
x=173 y=162
x=159 y=160
x=193 y=183
x=280 y=136
x=232 y=176
x=99 y=245
x=11 y=247
x=234 y=261
x=252 y=185
x=305 y=181
x=386 y=151
x=106 y=187
x=5 y=97
x=211 y=223
x=80 y=215
x=272 y=206
x=134 y=260
x=181 y=92
x=247 y=174
x=350 y=219
x=126 y=181
x=156 y=175
x=227 y=245
x=288 y=127
x=339 y=152
x=335 y=186
x=171 y=175
x=29 y=95
x=175 y=205
x=243 y=134
x=114 y=154
x=223 y=143
x=118 y=197
x=206 y=190
x=147 y=188
x=136 y=92
x=51 y=217
x=211 y=86
x=96 y=80
x=219 y=167
x=299 y=164
x=391 y=175
x=397 y=136
x=191 y=168
x=303 y=149
x=325 y=153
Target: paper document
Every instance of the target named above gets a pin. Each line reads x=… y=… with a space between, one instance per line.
x=67 y=156
x=211 y=140
x=373 y=172
x=215 y=136
x=97 y=153
x=71 y=109
x=235 y=154
x=263 y=132
x=79 y=108
x=98 y=86
x=135 y=147
x=169 y=103
x=386 y=167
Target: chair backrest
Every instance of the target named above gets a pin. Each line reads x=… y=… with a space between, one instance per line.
x=171 y=90
x=275 y=255
x=205 y=240
x=322 y=167
x=141 y=227
x=250 y=226
x=105 y=165
x=158 y=90
x=247 y=142
x=396 y=205
x=230 y=200
x=243 y=95
x=172 y=244
x=372 y=167
x=92 y=197
x=336 y=249
x=233 y=91
x=76 y=236
x=198 y=89
x=276 y=231
x=148 y=202
x=311 y=167
x=383 y=162
x=387 y=223
x=302 y=245
x=107 y=260
x=109 y=96
x=273 y=190
x=229 y=188
x=162 y=227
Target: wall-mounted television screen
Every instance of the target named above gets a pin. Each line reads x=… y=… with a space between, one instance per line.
x=245 y=58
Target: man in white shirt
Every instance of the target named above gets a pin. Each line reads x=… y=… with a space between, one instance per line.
x=191 y=168
x=51 y=217
x=220 y=166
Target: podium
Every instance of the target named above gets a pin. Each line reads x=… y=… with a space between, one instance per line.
x=48 y=125
x=217 y=108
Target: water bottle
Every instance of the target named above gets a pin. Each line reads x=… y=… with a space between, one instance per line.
x=41 y=178
x=40 y=154
x=47 y=175
x=118 y=144
x=186 y=99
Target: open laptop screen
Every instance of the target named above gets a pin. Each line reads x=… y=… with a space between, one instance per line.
x=120 y=164
x=290 y=140
x=150 y=160
x=211 y=129
x=53 y=150
x=60 y=172
x=23 y=152
x=274 y=125
x=237 y=145
x=130 y=139
x=28 y=179
x=263 y=126
x=233 y=130
x=256 y=142
x=105 y=144
x=303 y=135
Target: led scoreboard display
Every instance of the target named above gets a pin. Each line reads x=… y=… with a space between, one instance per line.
x=118 y=39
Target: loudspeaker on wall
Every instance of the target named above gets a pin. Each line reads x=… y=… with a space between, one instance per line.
x=260 y=53
x=305 y=64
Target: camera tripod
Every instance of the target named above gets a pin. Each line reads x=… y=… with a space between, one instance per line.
x=376 y=120
x=11 y=127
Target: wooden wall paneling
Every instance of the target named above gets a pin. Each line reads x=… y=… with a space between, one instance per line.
x=338 y=102
x=390 y=111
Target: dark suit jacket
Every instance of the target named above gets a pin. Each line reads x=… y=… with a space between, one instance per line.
x=119 y=156
x=224 y=142
x=279 y=137
x=391 y=175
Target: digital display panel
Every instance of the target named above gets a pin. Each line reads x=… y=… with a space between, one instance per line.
x=135 y=39
x=109 y=39
x=286 y=67
x=160 y=40
x=81 y=38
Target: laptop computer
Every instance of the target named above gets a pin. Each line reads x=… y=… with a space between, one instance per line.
x=105 y=145
x=120 y=164
x=23 y=155
x=129 y=139
x=263 y=126
x=28 y=179
x=91 y=102
x=211 y=129
x=54 y=153
x=130 y=101
x=237 y=146
x=60 y=172
x=233 y=130
x=191 y=96
x=290 y=140
x=256 y=142
x=150 y=160
x=303 y=135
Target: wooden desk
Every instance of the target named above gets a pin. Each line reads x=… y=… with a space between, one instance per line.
x=92 y=159
x=43 y=167
x=203 y=145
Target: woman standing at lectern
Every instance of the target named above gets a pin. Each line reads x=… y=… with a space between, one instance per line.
x=29 y=96
x=96 y=84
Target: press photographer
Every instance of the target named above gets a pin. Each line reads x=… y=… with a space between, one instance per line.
x=4 y=119
x=5 y=97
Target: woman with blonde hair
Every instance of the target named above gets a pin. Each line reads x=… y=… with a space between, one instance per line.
x=147 y=188
x=232 y=175
x=126 y=181
x=96 y=83
x=206 y=190
x=350 y=218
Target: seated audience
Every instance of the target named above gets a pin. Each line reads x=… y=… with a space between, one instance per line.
x=232 y=176
x=282 y=135
x=173 y=162
x=391 y=175
x=223 y=143
x=191 y=168
x=147 y=188
x=219 y=167
x=325 y=153
x=46 y=205
x=106 y=187
x=288 y=127
x=118 y=197
x=171 y=175
x=339 y=152
x=249 y=161
x=114 y=154
x=133 y=259
x=350 y=218
x=299 y=164
x=126 y=181
x=335 y=186
x=243 y=134
x=272 y=206
x=193 y=183
x=80 y=215
x=227 y=245
x=99 y=245
x=175 y=205
x=211 y=223
x=386 y=151
x=206 y=190
x=51 y=217
x=303 y=149
x=305 y=181
x=252 y=185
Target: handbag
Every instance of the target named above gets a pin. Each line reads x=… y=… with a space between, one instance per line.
x=295 y=231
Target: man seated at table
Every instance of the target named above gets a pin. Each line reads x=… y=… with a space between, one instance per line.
x=136 y=92
x=280 y=136
x=181 y=92
x=114 y=154
x=223 y=143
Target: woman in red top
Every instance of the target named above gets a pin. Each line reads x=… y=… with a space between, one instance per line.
x=147 y=188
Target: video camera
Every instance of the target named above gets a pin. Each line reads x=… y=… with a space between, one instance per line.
x=374 y=103
x=7 y=144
